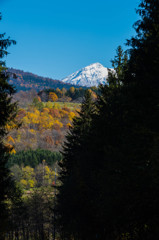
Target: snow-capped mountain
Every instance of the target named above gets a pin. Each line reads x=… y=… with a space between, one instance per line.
x=89 y=76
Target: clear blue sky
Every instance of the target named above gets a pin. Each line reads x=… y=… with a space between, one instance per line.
x=56 y=38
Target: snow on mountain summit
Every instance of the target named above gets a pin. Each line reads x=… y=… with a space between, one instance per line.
x=89 y=76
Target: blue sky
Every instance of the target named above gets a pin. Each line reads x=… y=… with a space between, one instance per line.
x=56 y=38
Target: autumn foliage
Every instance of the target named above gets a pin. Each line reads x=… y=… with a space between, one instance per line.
x=53 y=97
x=42 y=127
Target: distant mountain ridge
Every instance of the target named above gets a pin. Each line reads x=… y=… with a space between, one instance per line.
x=89 y=76
x=26 y=81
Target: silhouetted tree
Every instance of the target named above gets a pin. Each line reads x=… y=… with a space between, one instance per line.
x=70 y=208
x=119 y=151
x=7 y=116
x=119 y=64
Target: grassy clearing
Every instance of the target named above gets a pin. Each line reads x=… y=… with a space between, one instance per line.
x=59 y=105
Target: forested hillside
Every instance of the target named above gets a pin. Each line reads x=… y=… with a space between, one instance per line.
x=43 y=125
x=26 y=81
x=45 y=117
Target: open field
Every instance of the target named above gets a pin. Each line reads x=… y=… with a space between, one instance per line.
x=59 y=105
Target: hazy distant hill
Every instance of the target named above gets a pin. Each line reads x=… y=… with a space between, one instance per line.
x=26 y=81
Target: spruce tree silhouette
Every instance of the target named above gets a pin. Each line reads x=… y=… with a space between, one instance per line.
x=8 y=112
x=119 y=151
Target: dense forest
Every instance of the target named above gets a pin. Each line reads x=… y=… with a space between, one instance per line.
x=25 y=81
x=103 y=184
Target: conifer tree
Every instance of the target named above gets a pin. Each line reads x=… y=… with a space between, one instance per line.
x=141 y=91
x=128 y=138
x=74 y=168
x=121 y=182
x=129 y=118
x=119 y=64
x=7 y=115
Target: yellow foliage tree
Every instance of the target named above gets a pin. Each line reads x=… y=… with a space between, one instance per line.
x=72 y=90
x=68 y=125
x=46 y=121
x=24 y=183
x=31 y=118
x=53 y=97
x=10 y=139
x=71 y=115
x=31 y=183
x=59 y=92
x=57 y=124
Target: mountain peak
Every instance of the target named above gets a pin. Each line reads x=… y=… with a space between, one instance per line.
x=91 y=75
x=97 y=64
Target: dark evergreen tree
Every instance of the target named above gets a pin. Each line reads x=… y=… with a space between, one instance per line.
x=141 y=90
x=120 y=150
x=71 y=205
x=127 y=132
x=119 y=64
x=7 y=115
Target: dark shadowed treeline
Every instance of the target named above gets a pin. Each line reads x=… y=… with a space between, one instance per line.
x=110 y=169
x=32 y=217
